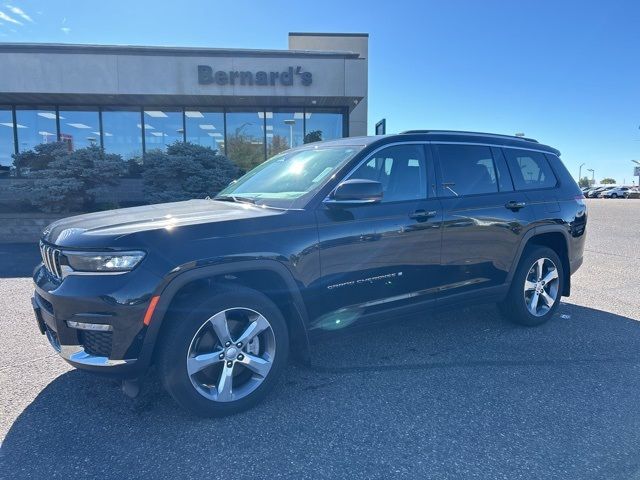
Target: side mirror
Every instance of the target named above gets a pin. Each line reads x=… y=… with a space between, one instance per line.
x=356 y=192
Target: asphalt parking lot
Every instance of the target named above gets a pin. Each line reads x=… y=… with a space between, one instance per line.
x=459 y=395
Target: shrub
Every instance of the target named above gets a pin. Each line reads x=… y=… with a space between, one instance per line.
x=39 y=158
x=313 y=136
x=186 y=171
x=70 y=181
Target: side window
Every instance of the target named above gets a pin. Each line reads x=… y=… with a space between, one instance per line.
x=529 y=170
x=401 y=170
x=467 y=169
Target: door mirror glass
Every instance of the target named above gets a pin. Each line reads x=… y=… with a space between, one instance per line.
x=355 y=192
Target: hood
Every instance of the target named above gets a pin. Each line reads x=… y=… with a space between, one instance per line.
x=126 y=221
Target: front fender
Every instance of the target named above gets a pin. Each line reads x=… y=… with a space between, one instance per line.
x=168 y=291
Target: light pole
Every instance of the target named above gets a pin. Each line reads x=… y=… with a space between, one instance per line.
x=291 y=122
x=580 y=172
x=593 y=175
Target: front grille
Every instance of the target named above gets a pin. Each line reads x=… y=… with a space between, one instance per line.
x=96 y=343
x=51 y=259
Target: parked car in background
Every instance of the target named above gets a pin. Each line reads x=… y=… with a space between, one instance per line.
x=594 y=192
x=615 y=192
x=632 y=193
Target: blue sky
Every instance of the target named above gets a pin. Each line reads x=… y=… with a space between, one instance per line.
x=564 y=72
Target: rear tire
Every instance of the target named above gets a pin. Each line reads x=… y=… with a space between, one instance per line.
x=226 y=354
x=535 y=289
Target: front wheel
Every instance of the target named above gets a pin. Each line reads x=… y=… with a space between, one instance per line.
x=614 y=195
x=226 y=354
x=536 y=288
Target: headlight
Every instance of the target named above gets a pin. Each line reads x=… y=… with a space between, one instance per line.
x=103 y=262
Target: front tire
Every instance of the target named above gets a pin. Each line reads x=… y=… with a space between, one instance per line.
x=226 y=354
x=614 y=195
x=535 y=289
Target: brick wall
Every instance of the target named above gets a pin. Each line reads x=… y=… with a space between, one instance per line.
x=24 y=227
x=129 y=190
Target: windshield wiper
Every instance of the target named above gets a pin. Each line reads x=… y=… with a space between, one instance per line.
x=236 y=199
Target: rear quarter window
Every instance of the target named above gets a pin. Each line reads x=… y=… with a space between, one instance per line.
x=529 y=170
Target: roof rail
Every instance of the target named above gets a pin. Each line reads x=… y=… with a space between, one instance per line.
x=460 y=132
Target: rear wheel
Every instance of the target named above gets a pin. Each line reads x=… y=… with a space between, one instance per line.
x=536 y=288
x=226 y=354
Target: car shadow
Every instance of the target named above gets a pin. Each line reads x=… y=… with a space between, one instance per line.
x=464 y=394
x=18 y=259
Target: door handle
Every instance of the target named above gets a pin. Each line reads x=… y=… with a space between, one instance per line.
x=423 y=214
x=515 y=206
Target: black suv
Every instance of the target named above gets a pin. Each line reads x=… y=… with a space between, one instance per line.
x=217 y=292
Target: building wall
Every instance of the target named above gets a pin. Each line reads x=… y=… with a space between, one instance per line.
x=36 y=76
x=356 y=72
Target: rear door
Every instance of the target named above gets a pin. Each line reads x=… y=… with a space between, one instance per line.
x=484 y=217
x=532 y=175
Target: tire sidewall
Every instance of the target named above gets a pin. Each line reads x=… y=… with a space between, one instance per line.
x=173 y=358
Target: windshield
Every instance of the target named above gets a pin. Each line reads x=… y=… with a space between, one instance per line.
x=289 y=176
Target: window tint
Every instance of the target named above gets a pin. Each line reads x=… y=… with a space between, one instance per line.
x=402 y=171
x=529 y=170
x=467 y=169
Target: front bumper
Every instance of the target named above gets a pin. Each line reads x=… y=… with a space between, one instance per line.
x=117 y=302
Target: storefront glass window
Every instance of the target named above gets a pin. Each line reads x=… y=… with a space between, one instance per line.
x=205 y=128
x=285 y=129
x=79 y=127
x=323 y=125
x=245 y=137
x=6 y=139
x=35 y=126
x=162 y=127
x=122 y=132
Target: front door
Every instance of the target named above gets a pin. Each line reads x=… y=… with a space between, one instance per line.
x=385 y=254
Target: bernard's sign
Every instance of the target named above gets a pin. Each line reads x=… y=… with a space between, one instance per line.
x=292 y=75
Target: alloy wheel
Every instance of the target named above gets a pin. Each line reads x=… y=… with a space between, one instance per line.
x=541 y=287
x=231 y=354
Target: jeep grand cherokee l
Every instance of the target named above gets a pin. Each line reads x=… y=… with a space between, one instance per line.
x=217 y=292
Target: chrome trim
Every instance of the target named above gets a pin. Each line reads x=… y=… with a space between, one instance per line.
x=51 y=260
x=95 y=327
x=77 y=354
x=331 y=201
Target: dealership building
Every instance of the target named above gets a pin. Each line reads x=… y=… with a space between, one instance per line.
x=247 y=104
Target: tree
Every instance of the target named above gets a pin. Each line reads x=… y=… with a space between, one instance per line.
x=39 y=158
x=186 y=171
x=71 y=181
x=608 y=181
x=244 y=150
x=278 y=144
x=313 y=136
x=584 y=182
